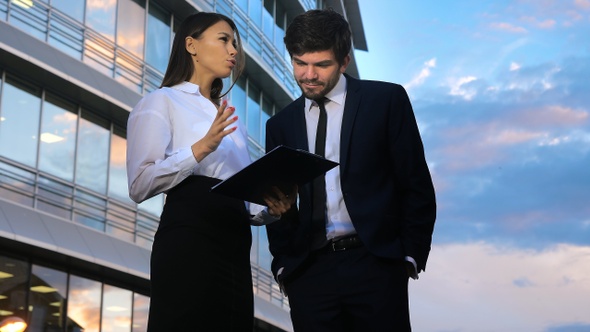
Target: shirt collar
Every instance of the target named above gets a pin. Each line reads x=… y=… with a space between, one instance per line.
x=337 y=94
x=188 y=87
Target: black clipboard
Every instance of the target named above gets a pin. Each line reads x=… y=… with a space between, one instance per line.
x=282 y=167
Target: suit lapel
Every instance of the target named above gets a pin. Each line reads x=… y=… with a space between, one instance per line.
x=299 y=124
x=351 y=107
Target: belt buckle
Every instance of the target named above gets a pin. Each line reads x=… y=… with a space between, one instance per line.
x=333 y=245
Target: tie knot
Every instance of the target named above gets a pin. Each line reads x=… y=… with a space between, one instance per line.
x=321 y=101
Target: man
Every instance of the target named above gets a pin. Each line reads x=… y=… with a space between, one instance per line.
x=347 y=268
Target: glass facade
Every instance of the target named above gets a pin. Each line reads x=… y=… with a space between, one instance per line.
x=53 y=300
x=77 y=157
x=81 y=154
x=64 y=155
x=19 y=127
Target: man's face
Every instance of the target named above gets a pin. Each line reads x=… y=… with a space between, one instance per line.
x=317 y=73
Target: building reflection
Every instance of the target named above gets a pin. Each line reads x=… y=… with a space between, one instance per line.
x=50 y=300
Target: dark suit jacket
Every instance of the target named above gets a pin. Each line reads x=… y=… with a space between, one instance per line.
x=385 y=180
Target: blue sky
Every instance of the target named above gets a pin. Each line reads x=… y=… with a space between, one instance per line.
x=501 y=92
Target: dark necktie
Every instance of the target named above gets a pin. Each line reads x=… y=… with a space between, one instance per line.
x=319 y=183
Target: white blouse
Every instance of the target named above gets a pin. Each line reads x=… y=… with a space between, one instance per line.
x=161 y=129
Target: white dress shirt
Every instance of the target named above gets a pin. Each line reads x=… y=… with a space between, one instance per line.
x=161 y=129
x=338 y=223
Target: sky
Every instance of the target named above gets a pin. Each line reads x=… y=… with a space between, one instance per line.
x=501 y=93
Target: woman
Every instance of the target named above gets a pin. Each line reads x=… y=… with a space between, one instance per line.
x=183 y=139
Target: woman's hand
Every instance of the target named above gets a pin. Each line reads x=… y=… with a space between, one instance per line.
x=279 y=203
x=218 y=130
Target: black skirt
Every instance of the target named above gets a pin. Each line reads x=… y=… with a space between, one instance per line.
x=200 y=264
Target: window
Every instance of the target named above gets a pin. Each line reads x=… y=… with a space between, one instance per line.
x=130 y=43
x=153 y=205
x=53 y=300
x=74 y=9
x=83 y=305
x=47 y=299
x=158 y=38
x=242 y=4
x=63 y=34
x=267 y=19
x=255 y=244
x=100 y=17
x=89 y=209
x=3 y=10
x=280 y=19
x=238 y=98
x=117 y=168
x=254 y=112
x=267 y=111
x=93 y=152
x=264 y=257
x=14 y=278
x=100 y=53
x=19 y=125
x=116 y=309
x=141 y=306
x=131 y=25
x=16 y=184
x=54 y=197
x=255 y=12
x=29 y=17
x=58 y=138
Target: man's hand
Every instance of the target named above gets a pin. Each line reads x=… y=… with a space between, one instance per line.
x=279 y=202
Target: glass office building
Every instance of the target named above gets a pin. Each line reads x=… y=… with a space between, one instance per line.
x=74 y=249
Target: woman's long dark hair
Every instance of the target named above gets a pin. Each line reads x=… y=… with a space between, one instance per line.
x=180 y=65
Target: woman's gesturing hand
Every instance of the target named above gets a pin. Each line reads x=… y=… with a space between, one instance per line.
x=218 y=130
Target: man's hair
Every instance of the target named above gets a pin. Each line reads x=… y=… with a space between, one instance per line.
x=319 y=30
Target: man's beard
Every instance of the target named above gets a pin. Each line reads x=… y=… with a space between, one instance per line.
x=326 y=87
x=312 y=95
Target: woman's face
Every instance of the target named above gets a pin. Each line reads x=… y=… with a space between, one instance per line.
x=215 y=51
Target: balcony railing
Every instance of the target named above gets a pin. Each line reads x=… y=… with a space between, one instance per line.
x=100 y=52
x=42 y=191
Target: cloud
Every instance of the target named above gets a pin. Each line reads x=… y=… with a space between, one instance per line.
x=582 y=4
x=535 y=79
x=466 y=287
x=424 y=73
x=533 y=196
x=505 y=121
x=510 y=165
x=544 y=15
x=552 y=116
x=541 y=24
x=460 y=87
x=508 y=27
x=574 y=327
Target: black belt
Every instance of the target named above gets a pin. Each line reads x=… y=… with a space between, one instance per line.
x=345 y=243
